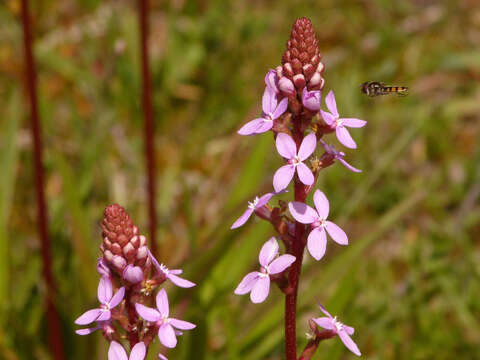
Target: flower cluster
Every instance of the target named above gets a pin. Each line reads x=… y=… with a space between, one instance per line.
x=292 y=112
x=128 y=282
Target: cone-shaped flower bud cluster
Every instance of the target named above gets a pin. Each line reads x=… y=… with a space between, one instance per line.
x=122 y=245
x=301 y=61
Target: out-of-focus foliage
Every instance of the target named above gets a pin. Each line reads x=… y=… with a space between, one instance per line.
x=409 y=281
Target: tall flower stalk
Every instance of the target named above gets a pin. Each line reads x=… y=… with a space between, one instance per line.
x=129 y=278
x=291 y=105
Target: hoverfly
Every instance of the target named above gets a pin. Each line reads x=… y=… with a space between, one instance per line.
x=375 y=88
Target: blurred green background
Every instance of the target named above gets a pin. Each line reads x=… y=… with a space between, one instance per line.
x=409 y=281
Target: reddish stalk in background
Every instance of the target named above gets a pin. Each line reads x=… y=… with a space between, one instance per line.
x=149 y=128
x=54 y=327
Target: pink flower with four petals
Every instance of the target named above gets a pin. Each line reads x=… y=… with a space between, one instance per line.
x=107 y=300
x=171 y=275
x=342 y=330
x=256 y=204
x=258 y=282
x=160 y=316
x=288 y=149
x=340 y=125
x=317 y=239
x=271 y=110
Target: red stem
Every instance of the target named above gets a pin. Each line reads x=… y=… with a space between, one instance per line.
x=297 y=250
x=149 y=128
x=53 y=319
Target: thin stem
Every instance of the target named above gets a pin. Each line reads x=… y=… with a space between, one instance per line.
x=149 y=128
x=294 y=274
x=53 y=319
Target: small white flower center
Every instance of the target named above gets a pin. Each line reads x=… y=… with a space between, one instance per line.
x=319 y=223
x=338 y=324
x=295 y=161
x=164 y=269
x=253 y=204
x=264 y=272
x=339 y=122
x=268 y=117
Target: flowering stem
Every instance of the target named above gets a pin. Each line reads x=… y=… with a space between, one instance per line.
x=296 y=250
x=132 y=317
x=149 y=127
x=54 y=327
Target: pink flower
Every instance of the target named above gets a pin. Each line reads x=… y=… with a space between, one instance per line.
x=159 y=316
x=340 y=125
x=106 y=327
x=256 y=204
x=107 y=301
x=271 y=110
x=317 y=239
x=117 y=352
x=311 y=99
x=338 y=155
x=288 y=149
x=171 y=275
x=258 y=282
x=343 y=331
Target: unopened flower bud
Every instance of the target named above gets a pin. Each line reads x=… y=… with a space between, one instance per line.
x=286 y=85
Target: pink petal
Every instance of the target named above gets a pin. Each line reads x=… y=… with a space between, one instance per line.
x=354 y=123
x=103 y=268
x=104 y=315
x=133 y=274
x=321 y=204
x=325 y=311
x=264 y=127
x=264 y=200
x=305 y=174
x=337 y=234
x=348 y=166
x=286 y=146
x=260 y=290
x=311 y=99
x=88 y=317
x=331 y=104
x=308 y=146
x=154 y=261
x=180 y=281
x=181 y=324
x=176 y=271
x=328 y=118
x=317 y=243
x=138 y=351
x=347 y=340
x=116 y=352
x=325 y=323
x=162 y=357
x=271 y=80
x=104 y=291
x=251 y=127
x=87 y=331
x=167 y=337
x=269 y=101
x=117 y=298
x=302 y=212
x=281 y=108
x=242 y=219
x=268 y=252
x=147 y=313
x=281 y=263
x=345 y=138
x=286 y=85
x=162 y=303
x=350 y=330
x=282 y=177
x=247 y=283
